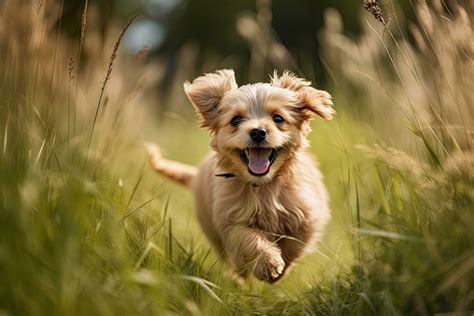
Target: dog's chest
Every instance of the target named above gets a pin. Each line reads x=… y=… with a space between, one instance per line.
x=273 y=212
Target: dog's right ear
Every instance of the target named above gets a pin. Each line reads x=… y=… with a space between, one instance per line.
x=206 y=93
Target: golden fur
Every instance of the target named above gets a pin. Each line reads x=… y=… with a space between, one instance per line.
x=260 y=222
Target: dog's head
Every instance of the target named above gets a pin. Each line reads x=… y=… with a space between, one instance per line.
x=256 y=129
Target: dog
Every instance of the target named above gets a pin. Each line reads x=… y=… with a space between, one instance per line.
x=259 y=195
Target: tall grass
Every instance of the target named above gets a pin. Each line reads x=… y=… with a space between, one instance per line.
x=416 y=207
x=109 y=237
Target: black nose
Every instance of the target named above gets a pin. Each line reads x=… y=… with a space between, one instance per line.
x=258 y=134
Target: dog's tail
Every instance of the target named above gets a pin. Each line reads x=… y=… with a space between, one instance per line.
x=181 y=173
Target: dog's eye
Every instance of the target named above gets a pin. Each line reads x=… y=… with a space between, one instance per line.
x=236 y=120
x=277 y=118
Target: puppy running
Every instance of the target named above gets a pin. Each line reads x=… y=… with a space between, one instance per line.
x=260 y=197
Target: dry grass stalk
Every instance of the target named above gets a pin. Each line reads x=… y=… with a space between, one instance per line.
x=81 y=42
x=70 y=78
x=83 y=25
x=373 y=6
x=107 y=78
x=71 y=69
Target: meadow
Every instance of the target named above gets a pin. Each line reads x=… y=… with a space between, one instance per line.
x=86 y=228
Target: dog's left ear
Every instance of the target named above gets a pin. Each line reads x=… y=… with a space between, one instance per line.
x=206 y=93
x=311 y=100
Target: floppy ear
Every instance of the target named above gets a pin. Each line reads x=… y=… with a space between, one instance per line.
x=206 y=92
x=311 y=100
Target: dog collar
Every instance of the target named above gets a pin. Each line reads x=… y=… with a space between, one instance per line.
x=231 y=175
x=225 y=175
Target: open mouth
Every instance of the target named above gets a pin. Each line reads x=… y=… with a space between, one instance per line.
x=258 y=159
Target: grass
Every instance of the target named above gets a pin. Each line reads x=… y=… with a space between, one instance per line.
x=94 y=231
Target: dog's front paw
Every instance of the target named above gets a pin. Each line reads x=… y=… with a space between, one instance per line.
x=269 y=267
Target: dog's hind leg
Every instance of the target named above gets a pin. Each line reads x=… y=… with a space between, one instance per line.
x=181 y=173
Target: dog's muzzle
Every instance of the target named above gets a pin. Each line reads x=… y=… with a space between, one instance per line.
x=258 y=159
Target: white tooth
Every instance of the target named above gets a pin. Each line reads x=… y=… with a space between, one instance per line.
x=247 y=153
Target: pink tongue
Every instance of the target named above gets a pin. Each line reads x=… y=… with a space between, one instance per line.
x=258 y=160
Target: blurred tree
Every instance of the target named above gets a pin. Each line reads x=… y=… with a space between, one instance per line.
x=211 y=26
x=298 y=23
